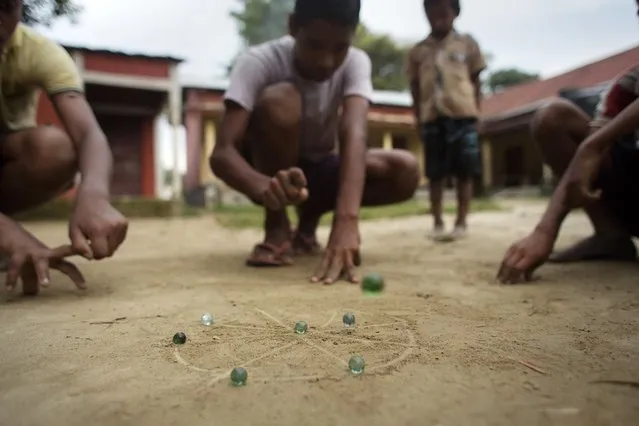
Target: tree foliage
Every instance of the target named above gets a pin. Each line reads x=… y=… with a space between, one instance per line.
x=501 y=79
x=44 y=12
x=261 y=20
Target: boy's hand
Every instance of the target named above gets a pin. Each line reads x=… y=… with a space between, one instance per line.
x=525 y=256
x=287 y=187
x=96 y=228
x=341 y=256
x=32 y=260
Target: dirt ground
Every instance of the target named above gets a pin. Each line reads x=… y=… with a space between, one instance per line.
x=445 y=345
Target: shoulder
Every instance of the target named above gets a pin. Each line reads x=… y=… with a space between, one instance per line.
x=419 y=48
x=275 y=53
x=357 y=59
x=468 y=40
x=35 y=43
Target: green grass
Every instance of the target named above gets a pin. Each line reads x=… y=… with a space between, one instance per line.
x=250 y=216
x=132 y=208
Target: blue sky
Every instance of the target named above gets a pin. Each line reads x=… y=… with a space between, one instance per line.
x=546 y=36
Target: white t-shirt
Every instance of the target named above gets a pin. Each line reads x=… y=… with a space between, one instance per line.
x=272 y=62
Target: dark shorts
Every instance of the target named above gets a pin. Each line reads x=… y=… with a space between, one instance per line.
x=451 y=149
x=322 y=178
x=619 y=182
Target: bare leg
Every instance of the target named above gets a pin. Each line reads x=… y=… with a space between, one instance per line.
x=558 y=129
x=391 y=177
x=38 y=164
x=436 y=192
x=464 y=196
x=274 y=136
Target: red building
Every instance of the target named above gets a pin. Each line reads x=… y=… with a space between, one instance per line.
x=127 y=94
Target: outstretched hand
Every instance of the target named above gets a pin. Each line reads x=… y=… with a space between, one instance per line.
x=341 y=256
x=524 y=257
x=36 y=274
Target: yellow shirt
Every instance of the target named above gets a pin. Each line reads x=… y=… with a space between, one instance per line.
x=444 y=70
x=31 y=63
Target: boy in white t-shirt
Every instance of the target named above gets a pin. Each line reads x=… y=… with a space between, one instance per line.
x=295 y=133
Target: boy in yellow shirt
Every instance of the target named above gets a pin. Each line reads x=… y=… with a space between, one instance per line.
x=444 y=72
x=39 y=163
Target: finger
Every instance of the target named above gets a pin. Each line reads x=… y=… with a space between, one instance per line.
x=41 y=268
x=13 y=272
x=302 y=196
x=71 y=271
x=100 y=247
x=349 y=267
x=502 y=268
x=297 y=177
x=336 y=268
x=121 y=233
x=592 y=196
x=357 y=258
x=513 y=273
x=80 y=243
x=29 y=277
x=276 y=188
x=320 y=272
x=290 y=191
x=63 y=251
x=271 y=201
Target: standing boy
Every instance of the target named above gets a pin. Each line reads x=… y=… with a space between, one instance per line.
x=39 y=163
x=444 y=73
x=280 y=132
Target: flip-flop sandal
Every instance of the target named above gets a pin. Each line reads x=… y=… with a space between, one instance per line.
x=303 y=244
x=269 y=255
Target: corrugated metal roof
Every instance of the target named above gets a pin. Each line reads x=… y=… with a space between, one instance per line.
x=527 y=95
x=166 y=58
x=380 y=97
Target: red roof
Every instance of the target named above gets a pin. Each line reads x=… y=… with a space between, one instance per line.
x=587 y=76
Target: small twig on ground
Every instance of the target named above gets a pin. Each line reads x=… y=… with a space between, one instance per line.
x=107 y=322
x=532 y=367
x=629 y=383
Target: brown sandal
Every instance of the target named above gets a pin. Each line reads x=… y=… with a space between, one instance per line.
x=269 y=255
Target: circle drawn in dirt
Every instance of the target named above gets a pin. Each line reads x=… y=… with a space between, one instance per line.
x=267 y=346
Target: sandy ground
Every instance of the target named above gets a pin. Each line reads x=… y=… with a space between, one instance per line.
x=443 y=345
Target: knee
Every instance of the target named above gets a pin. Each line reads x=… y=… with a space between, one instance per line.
x=279 y=105
x=405 y=169
x=49 y=152
x=555 y=118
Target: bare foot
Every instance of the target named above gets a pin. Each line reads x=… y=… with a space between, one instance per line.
x=598 y=247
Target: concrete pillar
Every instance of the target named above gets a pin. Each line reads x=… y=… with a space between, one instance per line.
x=210 y=134
x=193 y=124
x=417 y=148
x=175 y=119
x=487 y=163
x=387 y=143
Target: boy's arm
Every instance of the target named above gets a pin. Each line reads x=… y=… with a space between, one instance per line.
x=476 y=64
x=600 y=140
x=352 y=137
x=248 y=78
x=56 y=73
x=412 y=73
